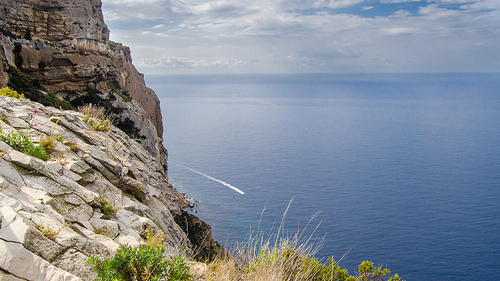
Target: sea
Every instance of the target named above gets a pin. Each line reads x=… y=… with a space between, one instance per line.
x=399 y=169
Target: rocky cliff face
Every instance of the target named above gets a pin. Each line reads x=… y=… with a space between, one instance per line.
x=53 y=213
x=65 y=45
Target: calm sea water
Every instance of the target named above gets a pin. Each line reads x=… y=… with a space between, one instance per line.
x=402 y=170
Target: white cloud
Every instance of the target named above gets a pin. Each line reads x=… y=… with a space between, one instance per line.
x=435 y=11
x=183 y=62
x=294 y=36
x=398 y=1
x=398 y=31
x=335 y=4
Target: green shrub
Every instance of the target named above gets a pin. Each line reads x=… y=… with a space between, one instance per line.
x=8 y=33
x=33 y=90
x=27 y=34
x=19 y=141
x=107 y=208
x=8 y=92
x=139 y=263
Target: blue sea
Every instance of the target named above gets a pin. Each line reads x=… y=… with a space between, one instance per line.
x=399 y=169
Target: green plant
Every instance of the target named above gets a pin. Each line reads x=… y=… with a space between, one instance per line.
x=140 y=263
x=27 y=34
x=96 y=117
x=107 y=208
x=19 y=141
x=8 y=92
x=47 y=232
x=60 y=138
x=33 y=90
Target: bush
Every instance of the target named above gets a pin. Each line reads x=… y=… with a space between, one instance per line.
x=107 y=208
x=33 y=90
x=19 y=141
x=8 y=92
x=140 y=263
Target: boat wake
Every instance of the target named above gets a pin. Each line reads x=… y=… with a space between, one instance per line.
x=215 y=180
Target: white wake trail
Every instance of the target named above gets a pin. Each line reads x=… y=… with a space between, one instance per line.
x=215 y=180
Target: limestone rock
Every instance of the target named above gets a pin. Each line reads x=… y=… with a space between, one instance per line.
x=67 y=49
x=21 y=263
x=54 y=218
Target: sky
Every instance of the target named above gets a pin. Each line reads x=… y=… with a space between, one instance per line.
x=307 y=36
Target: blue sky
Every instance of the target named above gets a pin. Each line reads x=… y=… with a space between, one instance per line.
x=295 y=36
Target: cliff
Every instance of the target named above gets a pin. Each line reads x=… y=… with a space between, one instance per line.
x=64 y=44
x=53 y=214
x=99 y=188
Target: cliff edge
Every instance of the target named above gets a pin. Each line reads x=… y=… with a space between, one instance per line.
x=65 y=46
x=98 y=188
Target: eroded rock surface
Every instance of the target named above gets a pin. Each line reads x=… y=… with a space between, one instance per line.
x=51 y=211
x=65 y=45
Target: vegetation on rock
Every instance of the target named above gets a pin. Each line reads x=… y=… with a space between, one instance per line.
x=48 y=143
x=107 y=208
x=145 y=262
x=287 y=261
x=20 y=141
x=96 y=117
x=33 y=90
x=8 y=92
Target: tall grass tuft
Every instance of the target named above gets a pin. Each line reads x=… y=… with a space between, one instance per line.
x=96 y=117
x=283 y=257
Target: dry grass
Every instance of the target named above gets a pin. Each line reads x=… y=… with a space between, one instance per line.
x=280 y=257
x=48 y=143
x=93 y=111
x=96 y=117
x=268 y=257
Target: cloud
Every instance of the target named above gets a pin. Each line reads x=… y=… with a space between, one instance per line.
x=398 y=1
x=399 y=31
x=157 y=34
x=336 y=4
x=183 y=62
x=295 y=36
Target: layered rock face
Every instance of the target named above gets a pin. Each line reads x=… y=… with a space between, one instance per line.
x=52 y=215
x=57 y=20
x=65 y=45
